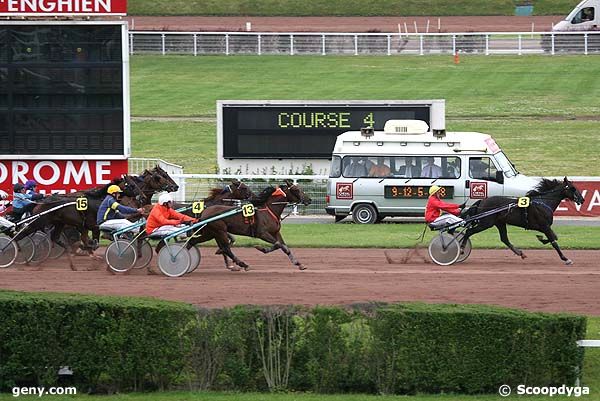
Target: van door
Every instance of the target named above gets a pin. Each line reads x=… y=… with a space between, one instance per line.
x=484 y=178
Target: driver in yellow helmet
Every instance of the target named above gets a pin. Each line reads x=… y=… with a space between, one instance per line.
x=436 y=206
x=111 y=213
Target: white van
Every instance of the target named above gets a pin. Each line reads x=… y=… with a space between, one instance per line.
x=375 y=174
x=584 y=17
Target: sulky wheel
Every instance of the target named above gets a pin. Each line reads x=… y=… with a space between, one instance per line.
x=364 y=214
x=144 y=252
x=58 y=250
x=465 y=250
x=43 y=246
x=174 y=260
x=444 y=250
x=195 y=258
x=26 y=251
x=8 y=251
x=120 y=256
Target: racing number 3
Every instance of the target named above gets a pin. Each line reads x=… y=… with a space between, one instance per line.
x=523 y=202
x=81 y=204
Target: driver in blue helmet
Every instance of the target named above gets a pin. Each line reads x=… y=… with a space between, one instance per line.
x=22 y=201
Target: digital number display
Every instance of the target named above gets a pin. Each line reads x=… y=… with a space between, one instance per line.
x=61 y=90
x=415 y=191
x=303 y=131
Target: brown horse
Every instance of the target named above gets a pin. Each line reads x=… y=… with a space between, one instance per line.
x=265 y=224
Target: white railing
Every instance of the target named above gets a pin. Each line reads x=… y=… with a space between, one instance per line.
x=138 y=164
x=328 y=43
x=197 y=186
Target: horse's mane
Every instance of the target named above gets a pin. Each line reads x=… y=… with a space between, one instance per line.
x=213 y=193
x=263 y=197
x=544 y=186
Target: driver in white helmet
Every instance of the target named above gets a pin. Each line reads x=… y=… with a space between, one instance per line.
x=163 y=220
x=4 y=223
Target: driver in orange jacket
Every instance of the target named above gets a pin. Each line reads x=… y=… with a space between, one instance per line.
x=163 y=220
x=435 y=207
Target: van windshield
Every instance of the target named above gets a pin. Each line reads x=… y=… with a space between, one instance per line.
x=505 y=164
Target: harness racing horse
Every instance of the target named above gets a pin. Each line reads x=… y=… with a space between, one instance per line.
x=82 y=220
x=544 y=199
x=265 y=224
x=152 y=181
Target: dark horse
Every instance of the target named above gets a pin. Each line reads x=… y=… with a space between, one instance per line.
x=265 y=224
x=82 y=220
x=235 y=191
x=538 y=216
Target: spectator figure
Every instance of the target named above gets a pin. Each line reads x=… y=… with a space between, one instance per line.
x=356 y=168
x=380 y=169
x=431 y=170
x=409 y=170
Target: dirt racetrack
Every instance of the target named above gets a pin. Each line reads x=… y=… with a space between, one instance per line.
x=346 y=24
x=342 y=276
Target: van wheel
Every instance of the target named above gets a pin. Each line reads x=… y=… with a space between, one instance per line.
x=364 y=214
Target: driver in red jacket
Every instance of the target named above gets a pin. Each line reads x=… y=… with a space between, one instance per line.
x=435 y=207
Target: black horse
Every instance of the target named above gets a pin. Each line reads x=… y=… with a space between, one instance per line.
x=538 y=215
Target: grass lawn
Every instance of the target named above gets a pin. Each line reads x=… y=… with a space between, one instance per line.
x=349 y=235
x=493 y=86
x=528 y=103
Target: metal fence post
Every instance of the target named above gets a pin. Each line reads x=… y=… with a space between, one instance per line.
x=295 y=209
x=291 y=45
x=163 y=43
x=389 y=45
x=520 y=45
x=421 y=45
x=323 y=44
x=195 y=45
x=259 y=44
x=130 y=43
x=487 y=45
x=585 y=42
x=453 y=44
x=356 y=45
x=552 y=37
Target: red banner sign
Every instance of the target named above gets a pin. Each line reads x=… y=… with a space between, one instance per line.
x=591 y=206
x=62 y=7
x=60 y=175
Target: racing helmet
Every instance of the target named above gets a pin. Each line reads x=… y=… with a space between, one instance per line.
x=29 y=184
x=113 y=189
x=3 y=195
x=433 y=189
x=165 y=198
x=18 y=187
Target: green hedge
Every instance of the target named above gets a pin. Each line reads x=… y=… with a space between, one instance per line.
x=389 y=349
x=123 y=344
x=111 y=343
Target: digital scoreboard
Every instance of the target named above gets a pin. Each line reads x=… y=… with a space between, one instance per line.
x=415 y=192
x=284 y=135
x=64 y=90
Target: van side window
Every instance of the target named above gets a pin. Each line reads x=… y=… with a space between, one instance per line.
x=380 y=167
x=356 y=166
x=406 y=167
x=336 y=167
x=586 y=14
x=482 y=168
x=439 y=167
